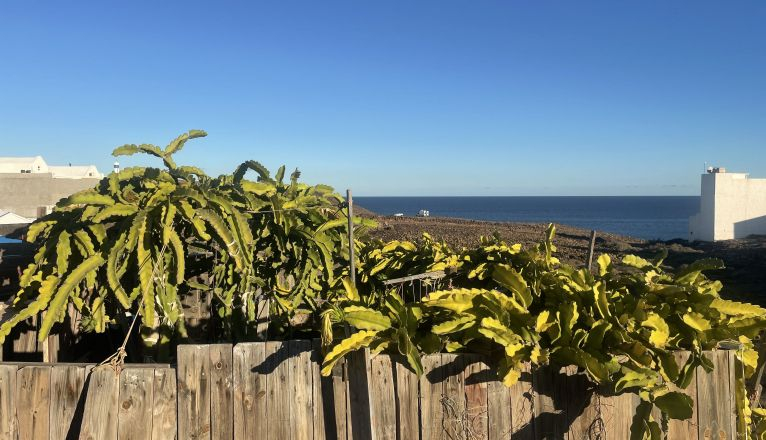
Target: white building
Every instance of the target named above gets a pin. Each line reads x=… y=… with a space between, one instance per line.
x=29 y=187
x=9 y=218
x=37 y=165
x=732 y=205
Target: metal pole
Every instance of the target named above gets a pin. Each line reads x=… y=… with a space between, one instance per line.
x=352 y=263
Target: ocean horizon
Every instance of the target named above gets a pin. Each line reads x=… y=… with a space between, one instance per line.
x=647 y=217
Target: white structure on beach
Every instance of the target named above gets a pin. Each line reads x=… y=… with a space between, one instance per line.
x=732 y=205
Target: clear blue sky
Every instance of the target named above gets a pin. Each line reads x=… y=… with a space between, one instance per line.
x=398 y=98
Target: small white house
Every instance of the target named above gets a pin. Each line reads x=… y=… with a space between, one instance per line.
x=732 y=205
x=9 y=218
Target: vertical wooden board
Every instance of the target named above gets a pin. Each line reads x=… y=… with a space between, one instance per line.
x=99 y=420
x=582 y=411
x=340 y=400
x=684 y=429
x=321 y=396
x=498 y=410
x=475 y=380
x=714 y=400
x=221 y=392
x=164 y=409
x=7 y=402
x=407 y=405
x=135 y=404
x=522 y=406
x=66 y=385
x=299 y=380
x=33 y=398
x=278 y=390
x=359 y=408
x=431 y=392
x=249 y=391
x=382 y=397
x=735 y=367
x=454 y=418
x=193 y=392
x=617 y=414
x=550 y=411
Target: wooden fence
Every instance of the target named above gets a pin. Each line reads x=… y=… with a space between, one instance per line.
x=273 y=390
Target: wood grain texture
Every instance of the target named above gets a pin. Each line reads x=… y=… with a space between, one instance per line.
x=582 y=411
x=99 y=419
x=164 y=408
x=383 y=397
x=498 y=410
x=193 y=392
x=714 y=399
x=340 y=400
x=33 y=398
x=684 y=429
x=66 y=385
x=407 y=404
x=475 y=379
x=522 y=398
x=431 y=393
x=321 y=395
x=7 y=402
x=221 y=392
x=135 y=404
x=359 y=407
x=249 y=391
x=617 y=413
x=550 y=407
x=278 y=390
x=300 y=386
x=455 y=419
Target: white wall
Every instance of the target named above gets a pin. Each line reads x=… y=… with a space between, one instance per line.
x=731 y=206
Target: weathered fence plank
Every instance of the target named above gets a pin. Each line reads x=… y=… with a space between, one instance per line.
x=33 y=398
x=522 y=397
x=715 y=399
x=321 y=396
x=135 y=404
x=99 y=419
x=8 y=402
x=359 y=407
x=383 y=397
x=684 y=429
x=431 y=392
x=164 y=409
x=274 y=390
x=300 y=386
x=407 y=410
x=277 y=387
x=550 y=410
x=193 y=392
x=498 y=410
x=221 y=398
x=454 y=418
x=475 y=380
x=617 y=413
x=249 y=391
x=340 y=401
x=66 y=385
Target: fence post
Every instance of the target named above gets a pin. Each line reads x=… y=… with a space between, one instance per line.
x=590 y=249
x=351 y=250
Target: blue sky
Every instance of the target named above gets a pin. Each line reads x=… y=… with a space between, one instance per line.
x=398 y=98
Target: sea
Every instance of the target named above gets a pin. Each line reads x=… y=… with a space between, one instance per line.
x=647 y=217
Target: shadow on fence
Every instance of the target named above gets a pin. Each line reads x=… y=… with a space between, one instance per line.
x=274 y=390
